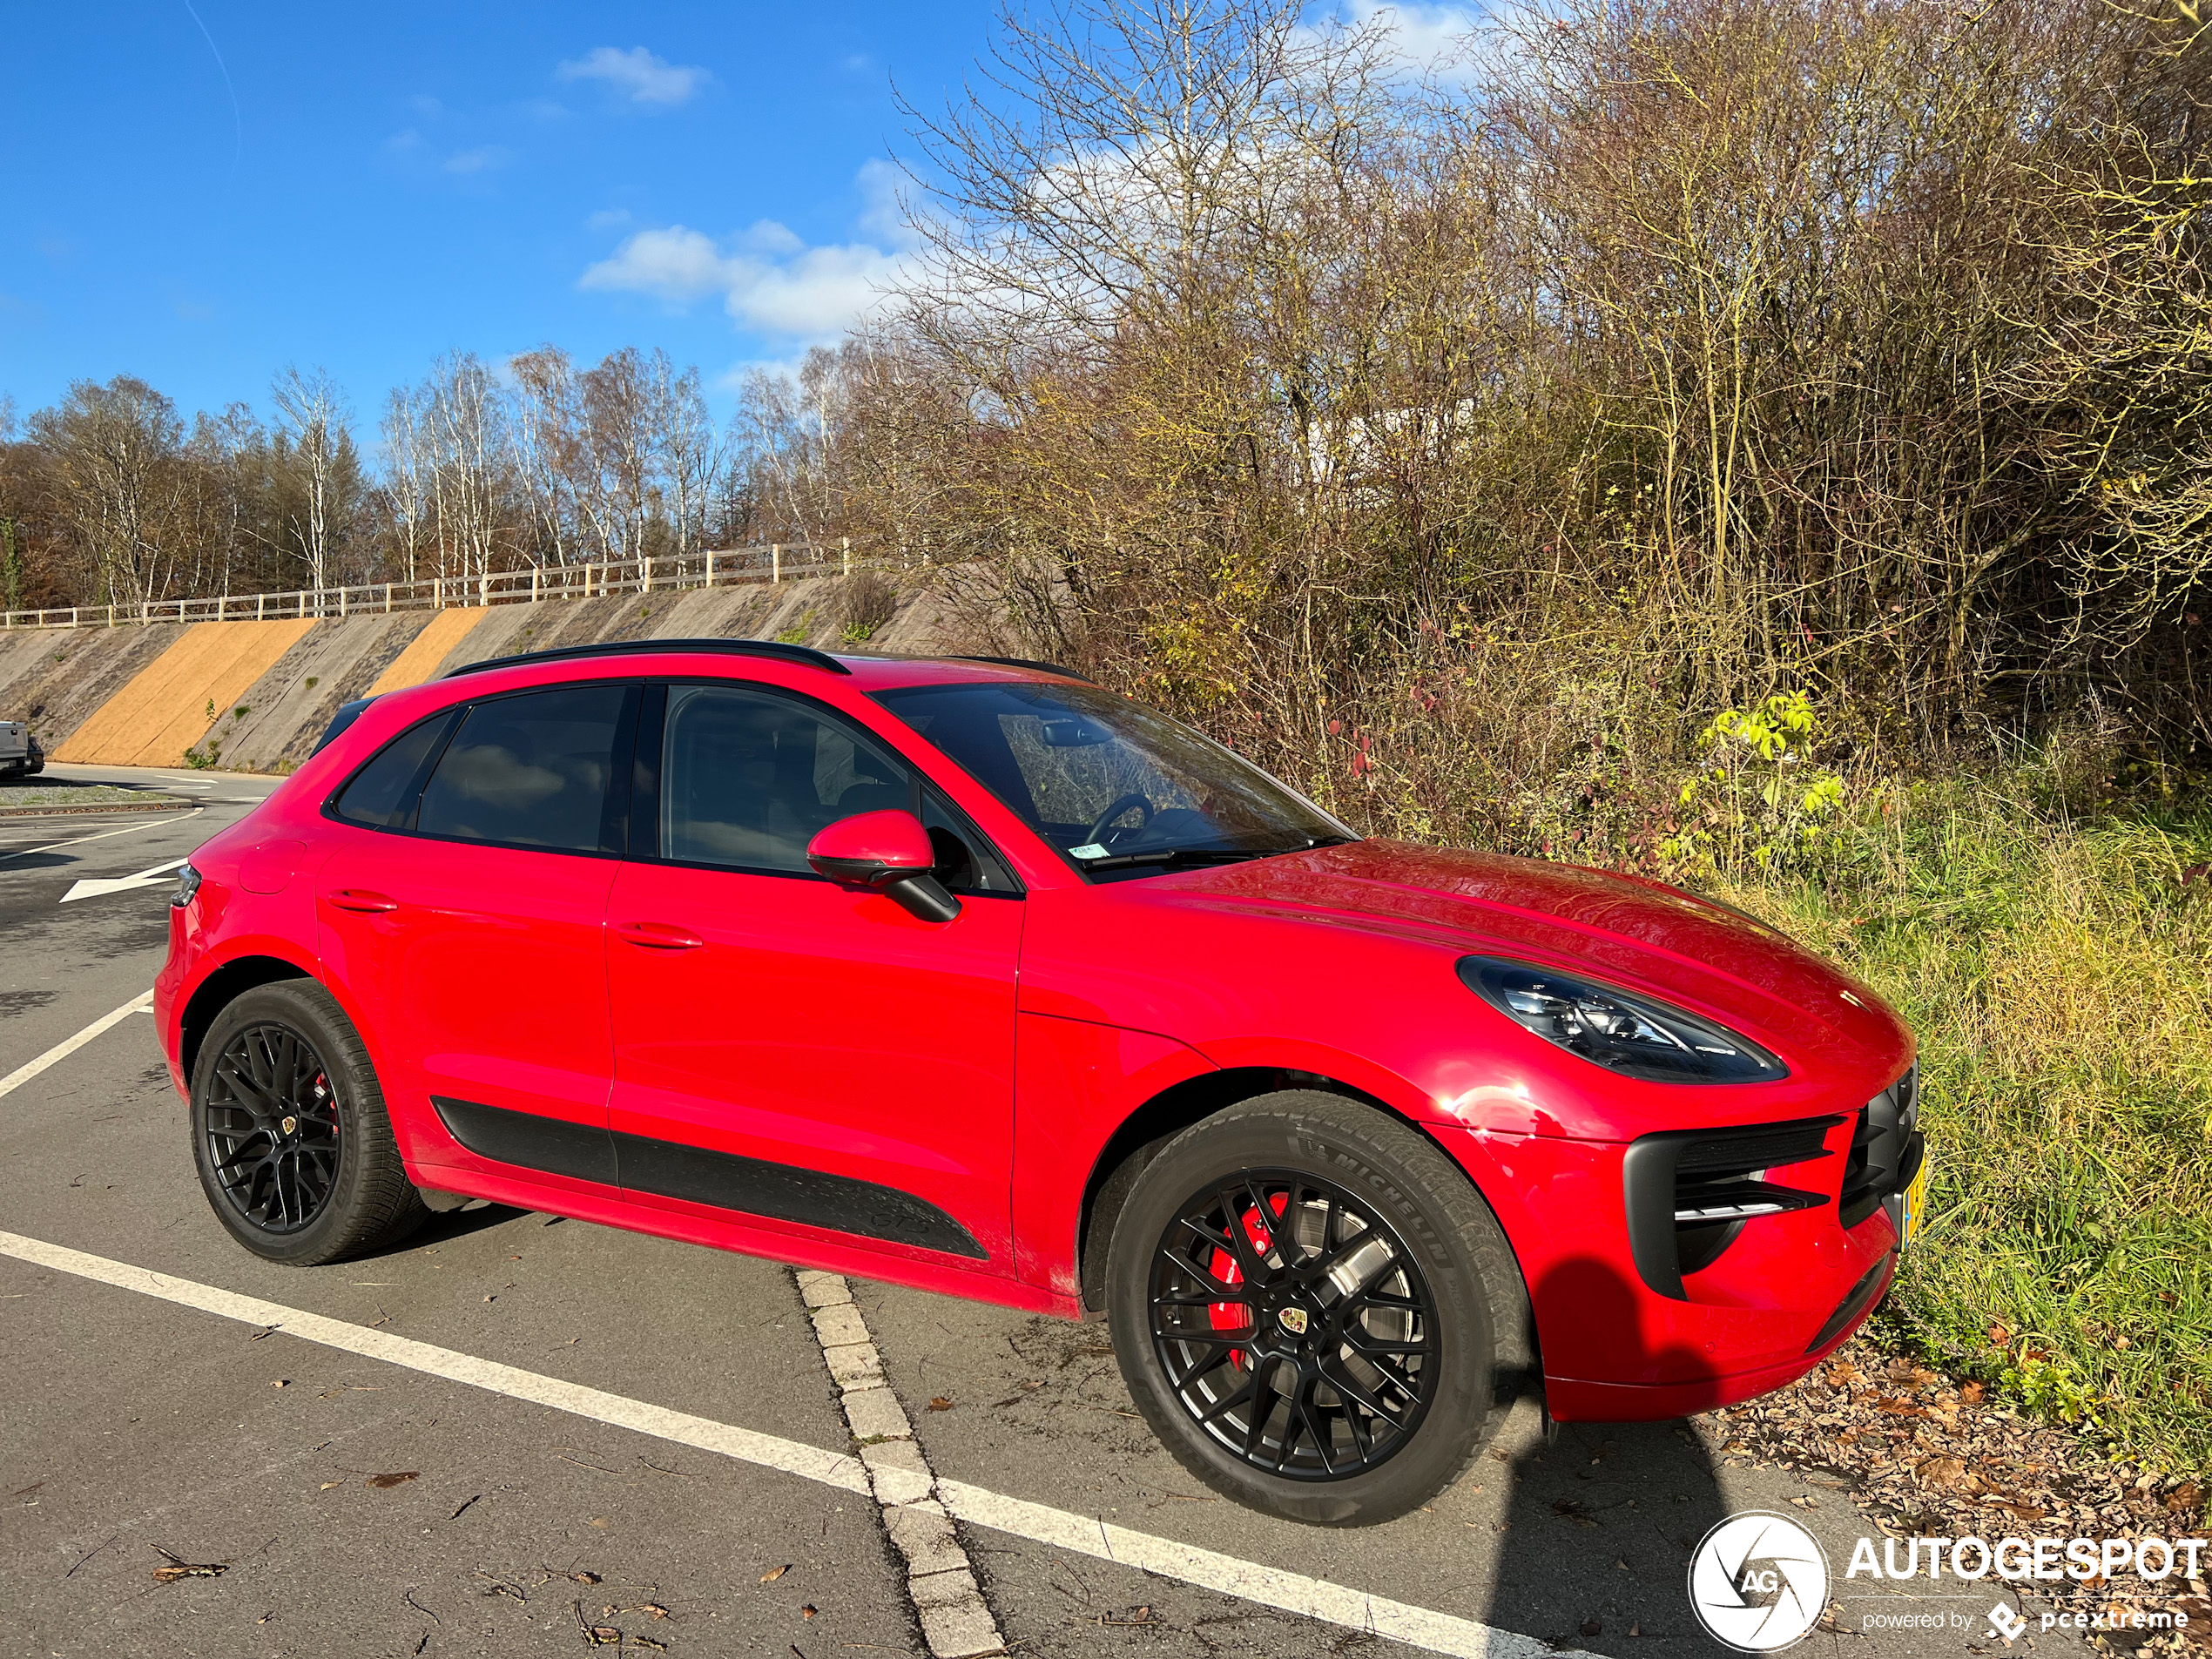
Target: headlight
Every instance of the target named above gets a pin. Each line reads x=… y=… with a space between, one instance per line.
x=187 y=884
x=1618 y=1029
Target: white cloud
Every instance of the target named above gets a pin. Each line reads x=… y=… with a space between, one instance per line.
x=881 y=213
x=675 y=265
x=483 y=159
x=637 y=75
x=1421 y=39
x=771 y=281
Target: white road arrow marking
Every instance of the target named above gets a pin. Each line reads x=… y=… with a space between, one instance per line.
x=94 y=889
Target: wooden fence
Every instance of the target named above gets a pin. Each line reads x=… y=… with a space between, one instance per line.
x=721 y=567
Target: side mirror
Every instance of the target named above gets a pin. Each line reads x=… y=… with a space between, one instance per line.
x=889 y=852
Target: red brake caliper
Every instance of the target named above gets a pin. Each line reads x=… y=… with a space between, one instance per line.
x=1233 y=1316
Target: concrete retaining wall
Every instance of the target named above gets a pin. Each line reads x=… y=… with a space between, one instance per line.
x=138 y=695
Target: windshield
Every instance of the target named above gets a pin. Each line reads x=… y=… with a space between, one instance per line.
x=1115 y=788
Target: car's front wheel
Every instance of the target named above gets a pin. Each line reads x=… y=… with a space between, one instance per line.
x=289 y=1132
x=1316 y=1312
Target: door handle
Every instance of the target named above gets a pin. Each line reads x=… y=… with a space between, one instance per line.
x=659 y=935
x=360 y=901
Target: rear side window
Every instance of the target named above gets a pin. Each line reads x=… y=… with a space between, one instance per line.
x=537 y=768
x=382 y=793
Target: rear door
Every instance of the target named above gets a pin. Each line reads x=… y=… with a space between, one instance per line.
x=464 y=914
x=788 y=1051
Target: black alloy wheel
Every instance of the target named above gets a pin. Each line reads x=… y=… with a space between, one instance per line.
x=1293 y=1324
x=273 y=1138
x=1313 y=1306
x=289 y=1133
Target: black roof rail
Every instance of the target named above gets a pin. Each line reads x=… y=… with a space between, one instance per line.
x=1024 y=661
x=805 y=656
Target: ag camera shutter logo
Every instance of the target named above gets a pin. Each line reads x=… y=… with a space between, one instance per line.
x=1758 y=1582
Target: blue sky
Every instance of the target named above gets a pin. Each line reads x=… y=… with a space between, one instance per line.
x=375 y=184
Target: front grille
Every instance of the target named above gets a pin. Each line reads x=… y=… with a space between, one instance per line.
x=1689 y=1192
x=1886 y=1149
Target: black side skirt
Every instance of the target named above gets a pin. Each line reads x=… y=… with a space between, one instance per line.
x=725 y=1180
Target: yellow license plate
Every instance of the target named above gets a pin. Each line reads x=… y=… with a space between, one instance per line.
x=1916 y=1199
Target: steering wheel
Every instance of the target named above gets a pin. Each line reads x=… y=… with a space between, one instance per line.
x=1122 y=804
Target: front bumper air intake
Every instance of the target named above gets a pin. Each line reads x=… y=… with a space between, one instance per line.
x=1689 y=1191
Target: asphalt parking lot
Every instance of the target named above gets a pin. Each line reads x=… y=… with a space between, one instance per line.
x=517 y=1434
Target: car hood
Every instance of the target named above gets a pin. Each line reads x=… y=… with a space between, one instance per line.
x=1624 y=928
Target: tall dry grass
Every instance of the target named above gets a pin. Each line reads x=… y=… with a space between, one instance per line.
x=2057 y=968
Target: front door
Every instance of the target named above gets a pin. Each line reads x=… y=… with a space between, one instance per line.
x=466 y=913
x=793 y=1053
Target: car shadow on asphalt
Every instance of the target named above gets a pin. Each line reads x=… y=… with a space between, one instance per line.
x=1601 y=1518
x=444 y=1225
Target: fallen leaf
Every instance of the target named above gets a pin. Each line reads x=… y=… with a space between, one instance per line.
x=2185 y=1497
x=180 y=1568
x=282 y=1382
x=585 y=1578
x=1635 y=1627
x=940 y=1404
x=385 y=1483
x=808 y=1611
x=1970 y=1392
x=328 y=1485
x=1940 y=1472
x=775 y=1572
x=652 y=1609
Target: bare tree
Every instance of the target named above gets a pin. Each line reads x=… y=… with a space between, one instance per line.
x=114 y=448
x=312 y=418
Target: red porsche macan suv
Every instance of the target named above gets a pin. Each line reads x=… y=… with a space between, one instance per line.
x=971 y=976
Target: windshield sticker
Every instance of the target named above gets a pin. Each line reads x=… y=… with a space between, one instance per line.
x=1087 y=850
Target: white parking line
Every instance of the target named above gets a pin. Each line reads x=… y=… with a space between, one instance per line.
x=142 y=1003
x=956 y=1622
x=24 y=852
x=831 y=1468
x=1038 y=1523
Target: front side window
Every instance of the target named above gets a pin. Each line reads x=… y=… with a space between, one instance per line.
x=536 y=769
x=1112 y=785
x=748 y=780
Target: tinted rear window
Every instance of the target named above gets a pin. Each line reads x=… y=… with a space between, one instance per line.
x=382 y=793
x=537 y=768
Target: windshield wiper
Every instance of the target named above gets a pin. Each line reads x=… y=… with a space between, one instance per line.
x=1197 y=855
x=1179 y=855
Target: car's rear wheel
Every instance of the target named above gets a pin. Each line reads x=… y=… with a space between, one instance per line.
x=1316 y=1312
x=289 y=1132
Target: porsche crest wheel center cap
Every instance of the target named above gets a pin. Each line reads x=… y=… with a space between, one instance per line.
x=289 y=1125
x=1294 y=1321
